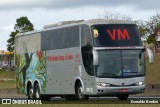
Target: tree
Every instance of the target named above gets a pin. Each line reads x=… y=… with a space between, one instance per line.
x=149 y=29
x=22 y=25
x=10 y=46
x=141 y=28
x=115 y=15
x=151 y=39
x=152 y=26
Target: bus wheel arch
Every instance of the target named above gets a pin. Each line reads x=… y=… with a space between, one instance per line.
x=30 y=90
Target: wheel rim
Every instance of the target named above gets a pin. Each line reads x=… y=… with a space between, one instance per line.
x=80 y=92
x=37 y=93
x=30 y=94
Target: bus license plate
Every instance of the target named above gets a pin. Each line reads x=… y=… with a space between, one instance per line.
x=123 y=90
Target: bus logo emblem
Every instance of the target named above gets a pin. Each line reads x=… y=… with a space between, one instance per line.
x=123 y=83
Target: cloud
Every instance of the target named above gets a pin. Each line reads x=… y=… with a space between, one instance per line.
x=7 y=28
x=63 y=4
x=41 y=17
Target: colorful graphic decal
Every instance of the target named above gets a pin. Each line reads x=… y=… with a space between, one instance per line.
x=30 y=66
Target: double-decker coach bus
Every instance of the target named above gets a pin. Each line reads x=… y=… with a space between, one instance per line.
x=81 y=59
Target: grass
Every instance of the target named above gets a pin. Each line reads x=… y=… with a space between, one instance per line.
x=7 y=74
x=7 y=84
x=153 y=71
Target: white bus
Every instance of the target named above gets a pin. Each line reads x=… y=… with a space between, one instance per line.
x=79 y=59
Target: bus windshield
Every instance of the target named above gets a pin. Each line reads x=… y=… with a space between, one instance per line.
x=120 y=63
x=115 y=35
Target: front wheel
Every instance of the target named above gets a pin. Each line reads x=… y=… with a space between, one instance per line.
x=123 y=97
x=80 y=92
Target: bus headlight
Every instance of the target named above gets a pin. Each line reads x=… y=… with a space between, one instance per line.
x=103 y=84
x=140 y=83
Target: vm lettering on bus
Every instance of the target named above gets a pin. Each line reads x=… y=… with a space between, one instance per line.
x=122 y=34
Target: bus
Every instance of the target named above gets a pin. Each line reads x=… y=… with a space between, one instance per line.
x=81 y=59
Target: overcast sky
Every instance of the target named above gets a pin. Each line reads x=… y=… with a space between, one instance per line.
x=42 y=12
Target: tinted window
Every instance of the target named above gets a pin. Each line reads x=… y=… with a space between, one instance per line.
x=60 y=38
x=86 y=43
x=86 y=35
x=116 y=35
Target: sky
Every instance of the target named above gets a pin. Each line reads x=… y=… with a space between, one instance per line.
x=44 y=12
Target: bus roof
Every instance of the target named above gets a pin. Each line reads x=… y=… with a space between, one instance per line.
x=28 y=33
x=88 y=22
x=76 y=22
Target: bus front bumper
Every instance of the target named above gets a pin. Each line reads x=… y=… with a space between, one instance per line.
x=120 y=90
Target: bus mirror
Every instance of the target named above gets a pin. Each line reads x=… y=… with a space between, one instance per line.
x=150 y=55
x=95 y=57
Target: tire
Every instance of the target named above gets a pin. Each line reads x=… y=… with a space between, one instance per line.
x=80 y=93
x=37 y=95
x=123 y=97
x=30 y=92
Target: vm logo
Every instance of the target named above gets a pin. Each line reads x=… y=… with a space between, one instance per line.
x=118 y=34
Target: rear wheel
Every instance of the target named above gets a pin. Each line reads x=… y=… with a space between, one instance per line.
x=123 y=97
x=30 y=92
x=37 y=92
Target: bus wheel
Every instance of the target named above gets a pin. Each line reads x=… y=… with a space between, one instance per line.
x=123 y=97
x=80 y=92
x=30 y=92
x=37 y=92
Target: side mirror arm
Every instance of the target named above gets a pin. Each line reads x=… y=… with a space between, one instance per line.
x=95 y=57
x=150 y=54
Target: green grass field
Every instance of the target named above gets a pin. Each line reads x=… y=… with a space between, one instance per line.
x=7 y=74
x=7 y=84
x=153 y=71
